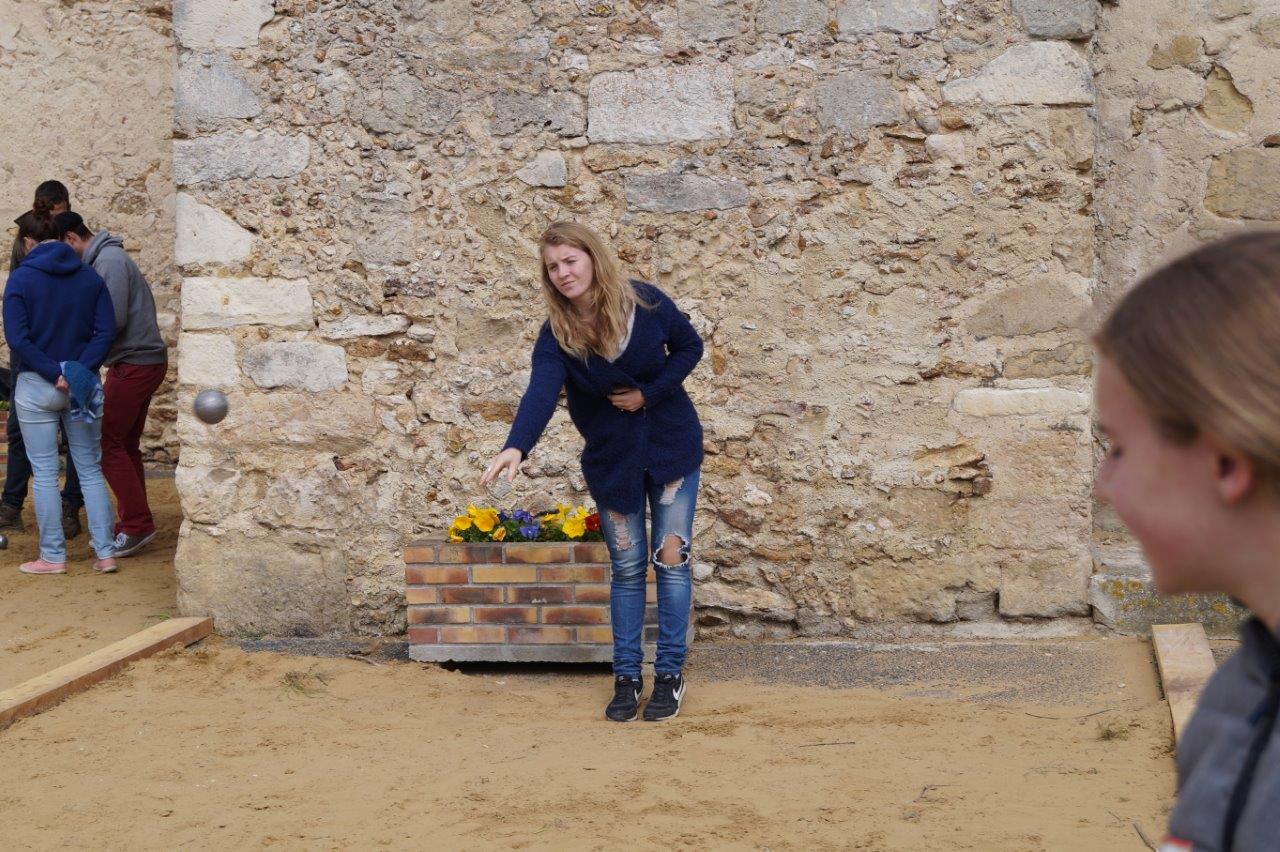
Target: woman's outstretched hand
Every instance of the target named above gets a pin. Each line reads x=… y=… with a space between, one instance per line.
x=507 y=461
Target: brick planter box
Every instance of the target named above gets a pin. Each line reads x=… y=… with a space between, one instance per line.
x=516 y=602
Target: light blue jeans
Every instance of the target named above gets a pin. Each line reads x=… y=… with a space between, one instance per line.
x=671 y=505
x=40 y=407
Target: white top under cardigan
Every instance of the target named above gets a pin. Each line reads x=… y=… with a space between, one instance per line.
x=626 y=338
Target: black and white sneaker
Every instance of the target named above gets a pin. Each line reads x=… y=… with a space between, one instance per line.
x=668 y=692
x=625 y=705
x=127 y=545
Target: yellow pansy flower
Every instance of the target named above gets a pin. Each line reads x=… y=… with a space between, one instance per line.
x=454 y=537
x=574 y=527
x=472 y=511
x=462 y=522
x=500 y=533
x=486 y=520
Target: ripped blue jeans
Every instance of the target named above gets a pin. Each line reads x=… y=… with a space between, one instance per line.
x=671 y=506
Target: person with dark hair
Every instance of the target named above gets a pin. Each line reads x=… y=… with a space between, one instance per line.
x=59 y=324
x=51 y=198
x=136 y=365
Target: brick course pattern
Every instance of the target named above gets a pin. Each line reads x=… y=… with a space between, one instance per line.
x=513 y=602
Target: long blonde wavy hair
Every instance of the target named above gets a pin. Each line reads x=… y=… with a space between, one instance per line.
x=612 y=296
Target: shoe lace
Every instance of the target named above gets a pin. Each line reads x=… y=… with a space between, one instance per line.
x=624 y=687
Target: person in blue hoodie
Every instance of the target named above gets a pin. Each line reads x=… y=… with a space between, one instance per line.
x=59 y=324
x=621 y=350
x=51 y=198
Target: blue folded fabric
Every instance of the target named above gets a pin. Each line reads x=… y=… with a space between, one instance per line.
x=86 y=392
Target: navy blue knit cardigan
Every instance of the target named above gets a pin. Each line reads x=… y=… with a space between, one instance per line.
x=663 y=438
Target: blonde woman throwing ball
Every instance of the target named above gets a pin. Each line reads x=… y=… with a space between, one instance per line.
x=621 y=350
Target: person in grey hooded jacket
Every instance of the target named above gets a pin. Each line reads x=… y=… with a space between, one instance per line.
x=136 y=365
x=1189 y=403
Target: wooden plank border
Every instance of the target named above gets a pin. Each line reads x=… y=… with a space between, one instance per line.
x=1186 y=664
x=42 y=692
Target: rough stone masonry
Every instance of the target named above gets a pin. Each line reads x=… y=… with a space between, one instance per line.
x=891 y=220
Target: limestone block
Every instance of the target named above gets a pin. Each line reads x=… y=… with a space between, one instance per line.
x=1071 y=19
x=1224 y=10
x=770 y=57
x=314 y=367
x=708 y=20
x=946 y=148
x=657 y=105
x=362 y=325
x=856 y=100
x=316 y=499
x=250 y=154
x=1047 y=303
x=410 y=102
x=546 y=169
x=675 y=193
x=1069 y=359
x=201 y=24
x=204 y=234
x=559 y=112
x=261 y=585
x=226 y=302
x=788 y=16
x=207 y=361
x=1040 y=72
x=210 y=86
x=1268 y=30
x=1224 y=106
x=857 y=18
x=334 y=423
x=381 y=378
x=1046 y=585
x=745 y=600
x=445 y=19
x=1245 y=184
x=209 y=494
x=1020 y=402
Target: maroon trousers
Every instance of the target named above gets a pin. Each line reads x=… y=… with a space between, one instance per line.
x=127 y=395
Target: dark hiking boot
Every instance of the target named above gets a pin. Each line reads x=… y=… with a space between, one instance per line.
x=11 y=518
x=71 y=521
x=668 y=692
x=625 y=705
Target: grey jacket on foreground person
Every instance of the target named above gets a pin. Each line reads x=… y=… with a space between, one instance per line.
x=138 y=339
x=1233 y=735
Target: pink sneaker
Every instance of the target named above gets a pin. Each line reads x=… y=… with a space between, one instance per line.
x=40 y=566
x=105 y=566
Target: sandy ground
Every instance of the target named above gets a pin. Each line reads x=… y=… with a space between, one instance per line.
x=1022 y=746
x=216 y=748
x=48 y=621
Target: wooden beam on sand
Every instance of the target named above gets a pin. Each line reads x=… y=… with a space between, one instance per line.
x=42 y=692
x=1186 y=664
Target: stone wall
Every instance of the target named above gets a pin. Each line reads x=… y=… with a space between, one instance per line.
x=88 y=95
x=887 y=218
x=1189 y=115
x=879 y=215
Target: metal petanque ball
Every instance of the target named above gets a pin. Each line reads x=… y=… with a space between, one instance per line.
x=4 y=542
x=211 y=406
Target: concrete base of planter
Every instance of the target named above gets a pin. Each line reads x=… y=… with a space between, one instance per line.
x=520 y=653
